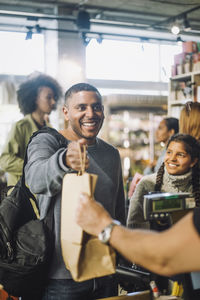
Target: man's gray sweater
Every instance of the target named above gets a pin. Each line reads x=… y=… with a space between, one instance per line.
x=45 y=170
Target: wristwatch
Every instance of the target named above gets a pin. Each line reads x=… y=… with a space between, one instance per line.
x=105 y=234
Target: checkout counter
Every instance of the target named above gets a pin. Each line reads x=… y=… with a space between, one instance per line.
x=162 y=210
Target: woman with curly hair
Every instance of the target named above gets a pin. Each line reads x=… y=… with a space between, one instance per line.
x=178 y=173
x=36 y=97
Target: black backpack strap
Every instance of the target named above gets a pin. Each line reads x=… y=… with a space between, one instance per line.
x=49 y=218
x=63 y=143
x=60 y=138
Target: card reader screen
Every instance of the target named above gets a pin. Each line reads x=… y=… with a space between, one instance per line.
x=166 y=205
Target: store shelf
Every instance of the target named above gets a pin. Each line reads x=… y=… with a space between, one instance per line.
x=179 y=102
x=184 y=75
x=183 y=88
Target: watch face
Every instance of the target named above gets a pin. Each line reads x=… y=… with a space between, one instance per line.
x=104 y=236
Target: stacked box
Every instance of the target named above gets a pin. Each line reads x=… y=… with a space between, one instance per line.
x=187 y=61
x=189 y=47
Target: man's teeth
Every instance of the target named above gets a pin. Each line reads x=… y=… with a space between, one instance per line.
x=89 y=124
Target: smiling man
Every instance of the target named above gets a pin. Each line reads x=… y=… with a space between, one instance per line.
x=48 y=162
x=84 y=112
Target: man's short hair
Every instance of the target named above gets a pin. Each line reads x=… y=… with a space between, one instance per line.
x=79 y=87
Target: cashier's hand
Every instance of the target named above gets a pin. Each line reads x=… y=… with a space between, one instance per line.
x=91 y=216
x=73 y=159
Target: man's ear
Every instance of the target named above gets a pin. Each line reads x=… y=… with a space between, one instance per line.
x=65 y=112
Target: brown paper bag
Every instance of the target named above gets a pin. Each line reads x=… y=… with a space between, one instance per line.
x=84 y=255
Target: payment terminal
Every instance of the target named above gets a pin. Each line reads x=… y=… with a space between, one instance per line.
x=158 y=206
x=172 y=207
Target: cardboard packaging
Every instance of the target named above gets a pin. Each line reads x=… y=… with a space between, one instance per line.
x=179 y=58
x=173 y=71
x=180 y=69
x=196 y=66
x=187 y=67
x=189 y=47
x=196 y=57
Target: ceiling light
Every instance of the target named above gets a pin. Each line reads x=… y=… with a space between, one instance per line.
x=186 y=24
x=179 y=40
x=29 y=33
x=98 y=16
x=38 y=29
x=175 y=29
x=83 y=20
x=85 y=39
x=99 y=39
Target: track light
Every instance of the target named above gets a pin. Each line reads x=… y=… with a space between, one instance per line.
x=83 y=20
x=85 y=39
x=29 y=33
x=38 y=29
x=175 y=29
x=179 y=40
x=186 y=24
x=99 y=39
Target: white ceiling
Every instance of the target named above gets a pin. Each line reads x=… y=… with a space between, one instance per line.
x=119 y=17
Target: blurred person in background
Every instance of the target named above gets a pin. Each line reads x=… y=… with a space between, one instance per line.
x=36 y=97
x=189 y=121
x=167 y=127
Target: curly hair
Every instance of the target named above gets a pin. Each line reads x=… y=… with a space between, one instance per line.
x=192 y=147
x=28 y=92
x=81 y=87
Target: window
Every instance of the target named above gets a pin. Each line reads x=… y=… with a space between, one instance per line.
x=167 y=53
x=130 y=61
x=19 y=56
